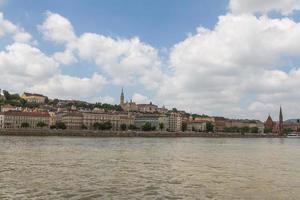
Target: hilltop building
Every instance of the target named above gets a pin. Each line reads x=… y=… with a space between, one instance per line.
x=134 y=107
x=33 y=98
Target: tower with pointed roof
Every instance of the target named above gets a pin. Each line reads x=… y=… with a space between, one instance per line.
x=280 y=124
x=122 y=98
x=269 y=124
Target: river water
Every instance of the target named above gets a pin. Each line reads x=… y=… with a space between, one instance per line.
x=149 y=168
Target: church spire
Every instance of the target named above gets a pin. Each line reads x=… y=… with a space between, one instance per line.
x=122 y=97
x=280 y=127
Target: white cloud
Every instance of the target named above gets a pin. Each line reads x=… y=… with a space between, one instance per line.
x=222 y=71
x=125 y=61
x=7 y=28
x=57 y=28
x=69 y=87
x=105 y=99
x=22 y=65
x=140 y=99
x=67 y=57
x=264 y=6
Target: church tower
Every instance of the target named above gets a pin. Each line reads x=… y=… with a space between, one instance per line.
x=122 y=98
x=280 y=125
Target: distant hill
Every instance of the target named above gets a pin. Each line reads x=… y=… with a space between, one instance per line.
x=292 y=121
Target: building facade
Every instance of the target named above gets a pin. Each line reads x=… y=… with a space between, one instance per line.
x=175 y=122
x=15 y=120
x=73 y=120
x=33 y=98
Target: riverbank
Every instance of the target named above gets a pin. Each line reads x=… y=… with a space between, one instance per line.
x=90 y=133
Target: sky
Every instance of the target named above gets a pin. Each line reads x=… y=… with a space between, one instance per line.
x=232 y=58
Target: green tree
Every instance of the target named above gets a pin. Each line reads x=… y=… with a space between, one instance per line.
x=209 y=127
x=132 y=127
x=41 y=124
x=147 y=127
x=61 y=125
x=183 y=127
x=254 y=130
x=268 y=130
x=286 y=131
x=46 y=100
x=174 y=110
x=25 y=125
x=83 y=127
x=123 y=127
x=245 y=129
x=161 y=126
x=107 y=125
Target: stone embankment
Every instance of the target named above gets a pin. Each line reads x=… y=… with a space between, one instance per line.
x=90 y=133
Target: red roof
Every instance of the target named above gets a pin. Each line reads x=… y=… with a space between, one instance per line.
x=25 y=114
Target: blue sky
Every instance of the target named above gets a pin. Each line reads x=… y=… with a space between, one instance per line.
x=221 y=57
x=160 y=23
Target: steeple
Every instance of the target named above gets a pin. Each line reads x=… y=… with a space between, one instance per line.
x=280 y=125
x=122 y=98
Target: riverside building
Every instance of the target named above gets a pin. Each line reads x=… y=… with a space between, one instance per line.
x=33 y=98
x=15 y=120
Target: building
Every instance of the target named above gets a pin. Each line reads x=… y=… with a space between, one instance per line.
x=245 y=123
x=219 y=124
x=175 y=122
x=8 y=107
x=269 y=124
x=280 y=124
x=130 y=106
x=292 y=125
x=142 y=119
x=144 y=108
x=16 y=119
x=122 y=98
x=34 y=98
x=275 y=127
x=89 y=119
x=147 y=108
x=196 y=125
x=72 y=120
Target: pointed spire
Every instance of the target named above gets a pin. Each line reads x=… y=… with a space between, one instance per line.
x=280 y=121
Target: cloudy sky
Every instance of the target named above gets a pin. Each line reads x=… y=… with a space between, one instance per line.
x=233 y=58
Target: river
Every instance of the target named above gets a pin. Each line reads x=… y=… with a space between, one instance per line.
x=149 y=168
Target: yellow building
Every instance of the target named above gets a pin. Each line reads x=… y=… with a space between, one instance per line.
x=34 y=98
x=15 y=119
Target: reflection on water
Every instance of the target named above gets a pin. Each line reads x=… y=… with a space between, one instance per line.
x=149 y=168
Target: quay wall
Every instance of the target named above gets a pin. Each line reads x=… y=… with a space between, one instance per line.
x=91 y=133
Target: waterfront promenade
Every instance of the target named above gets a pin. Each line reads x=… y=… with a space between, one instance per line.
x=91 y=133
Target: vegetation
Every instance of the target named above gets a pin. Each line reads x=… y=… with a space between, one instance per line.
x=209 y=127
x=148 y=127
x=123 y=127
x=286 y=131
x=41 y=124
x=25 y=125
x=268 y=130
x=184 y=127
x=254 y=130
x=132 y=127
x=60 y=125
x=199 y=116
x=103 y=126
x=83 y=127
x=161 y=126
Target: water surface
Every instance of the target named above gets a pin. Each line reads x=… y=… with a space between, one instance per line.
x=149 y=168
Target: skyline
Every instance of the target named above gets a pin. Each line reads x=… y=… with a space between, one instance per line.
x=237 y=61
